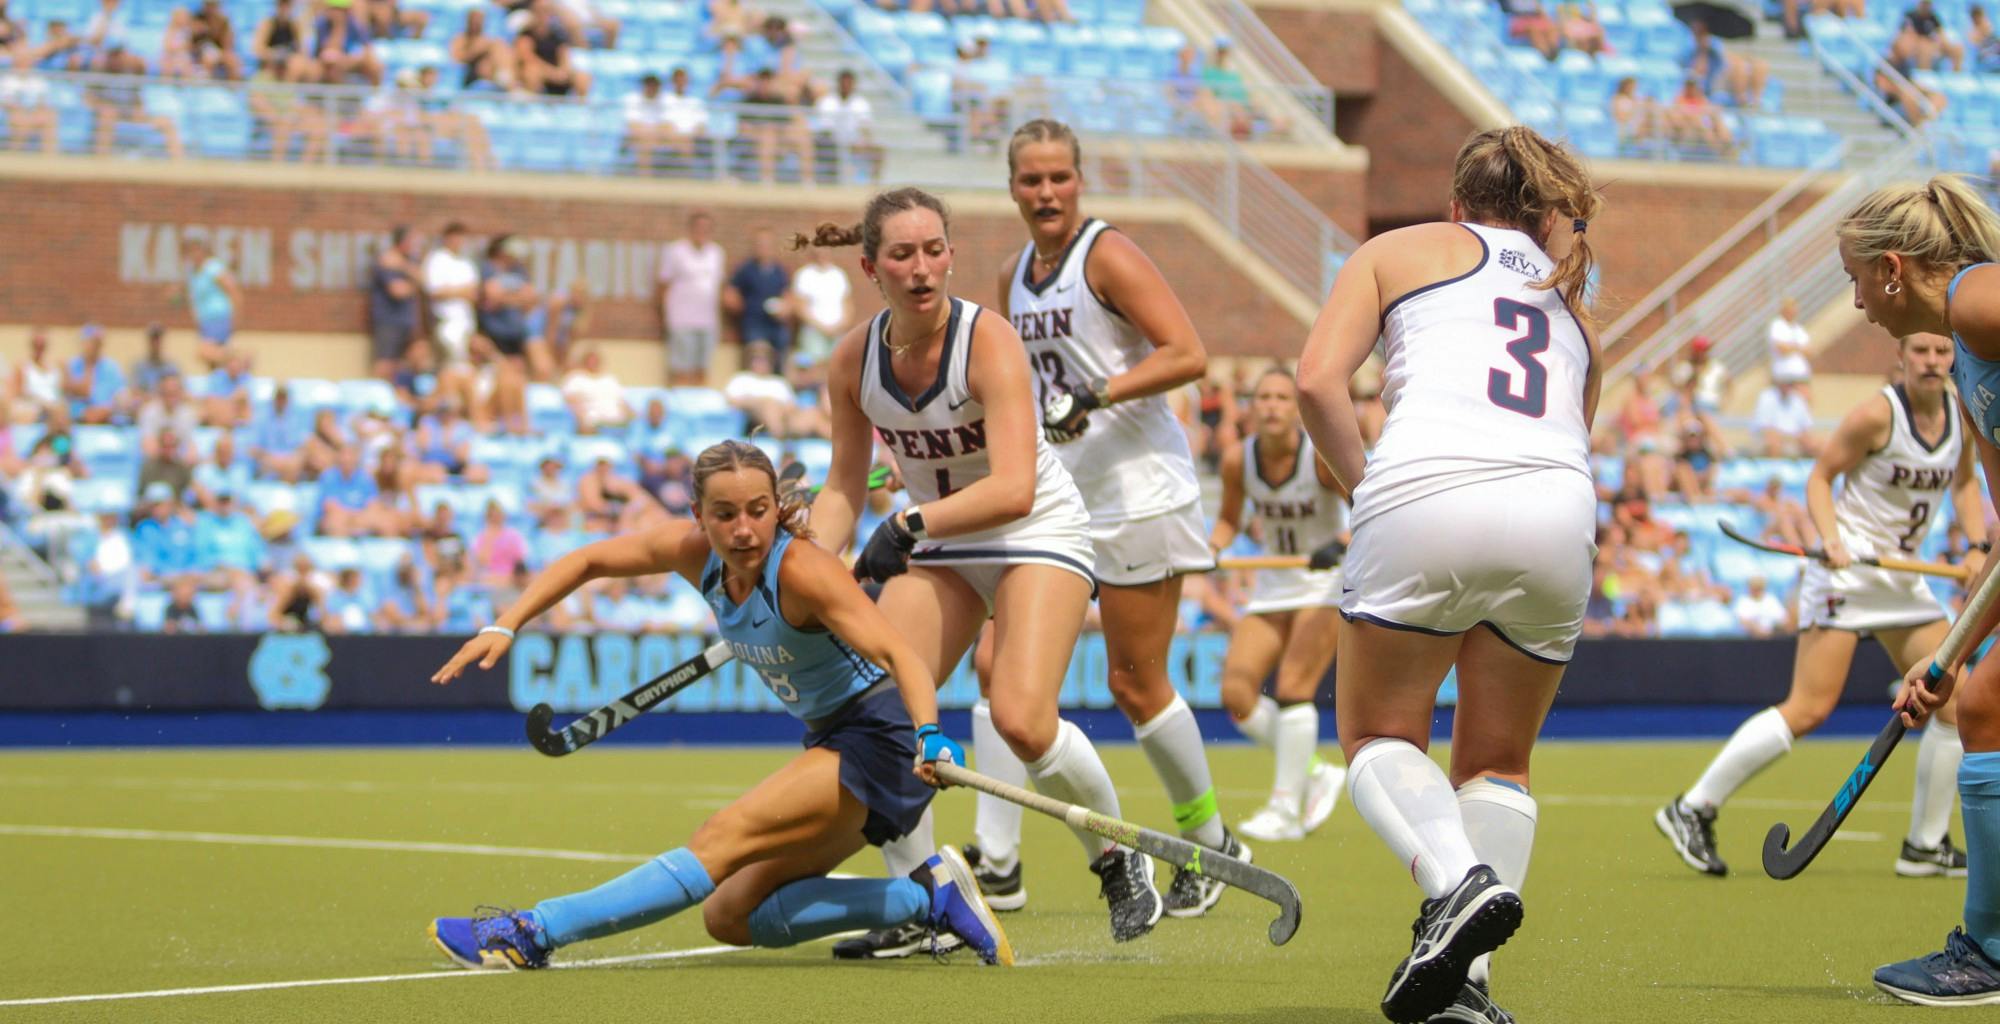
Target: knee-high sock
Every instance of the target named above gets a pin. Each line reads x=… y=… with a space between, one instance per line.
x=1938 y=756
x=811 y=908
x=1071 y=771
x=1172 y=742
x=1297 y=737
x=997 y=824
x=1760 y=740
x=908 y=852
x=1500 y=822
x=653 y=891
x=1979 y=796
x=1405 y=797
x=1261 y=727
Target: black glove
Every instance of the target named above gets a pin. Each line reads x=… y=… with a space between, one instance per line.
x=887 y=553
x=1067 y=414
x=1326 y=557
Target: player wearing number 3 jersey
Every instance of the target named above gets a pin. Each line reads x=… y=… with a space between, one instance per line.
x=1901 y=454
x=1473 y=533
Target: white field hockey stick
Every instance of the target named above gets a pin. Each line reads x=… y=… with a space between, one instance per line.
x=1172 y=849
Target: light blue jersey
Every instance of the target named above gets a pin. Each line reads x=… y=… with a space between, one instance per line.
x=812 y=671
x=1978 y=380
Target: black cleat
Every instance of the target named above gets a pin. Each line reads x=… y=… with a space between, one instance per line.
x=1002 y=892
x=893 y=943
x=1449 y=933
x=1473 y=1006
x=1192 y=893
x=1692 y=831
x=1125 y=879
x=1943 y=859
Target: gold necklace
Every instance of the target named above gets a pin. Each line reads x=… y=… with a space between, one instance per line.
x=906 y=347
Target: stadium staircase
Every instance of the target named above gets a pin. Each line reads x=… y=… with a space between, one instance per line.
x=1811 y=90
x=36 y=589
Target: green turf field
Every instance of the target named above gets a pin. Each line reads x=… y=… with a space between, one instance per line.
x=1617 y=929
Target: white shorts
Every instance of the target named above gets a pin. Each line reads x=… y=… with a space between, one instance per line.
x=1140 y=551
x=1056 y=534
x=454 y=337
x=1862 y=599
x=1289 y=590
x=1513 y=555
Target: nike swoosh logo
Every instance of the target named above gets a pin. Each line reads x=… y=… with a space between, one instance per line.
x=758 y=623
x=1344 y=591
x=955 y=405
x=1066 y=286
x=1141 y=565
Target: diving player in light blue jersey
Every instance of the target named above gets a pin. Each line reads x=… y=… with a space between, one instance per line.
x=1920 y=257
x=794 y=613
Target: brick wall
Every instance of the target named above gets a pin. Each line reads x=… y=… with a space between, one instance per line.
x=80 y=250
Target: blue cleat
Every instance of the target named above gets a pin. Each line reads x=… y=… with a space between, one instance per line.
x=1960 y=976
x=491 y=938
x=958 y=908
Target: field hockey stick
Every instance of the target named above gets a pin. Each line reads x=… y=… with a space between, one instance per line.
x=1261 y=562
x=598 y=724
x=1172 y=849
x=1780 y=862
x=1956 y=572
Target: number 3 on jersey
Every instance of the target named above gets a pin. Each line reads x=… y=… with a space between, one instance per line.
x=1534 y=397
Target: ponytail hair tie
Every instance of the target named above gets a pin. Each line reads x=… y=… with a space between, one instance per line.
x=1577 y=224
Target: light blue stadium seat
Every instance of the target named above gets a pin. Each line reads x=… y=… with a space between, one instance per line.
x=1675 y=619
x=102 y=494
x=367 y=395
x=1590 y=130
x=1582 y=81
x=332 y=553
x=930 y=92
x=312 y=394
x=547 y=413
x=1031 y=50
x=221 y=123
x=149 y=610
x=583 y=452
x=213 y=612
x=1083 y=51
x=1123 y=12
x=108 y=451
x=25 y=435
x=1711 y=618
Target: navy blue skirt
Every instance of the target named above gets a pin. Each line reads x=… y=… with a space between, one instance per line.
x=877 y=747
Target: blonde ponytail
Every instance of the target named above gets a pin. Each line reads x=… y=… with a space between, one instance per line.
x=1943 y=225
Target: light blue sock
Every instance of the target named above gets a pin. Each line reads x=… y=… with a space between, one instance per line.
x=811 y=908
x=653 y=891
x=1979 y=802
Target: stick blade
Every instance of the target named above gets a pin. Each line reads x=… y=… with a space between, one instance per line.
x=544 y=740
x=1289 y=909
x=1779 y=862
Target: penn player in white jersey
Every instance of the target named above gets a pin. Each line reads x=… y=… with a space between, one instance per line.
x=1901 y=455
x=1107 y=340
x=997 y=530
x=1473 y=533
x=1293 y=618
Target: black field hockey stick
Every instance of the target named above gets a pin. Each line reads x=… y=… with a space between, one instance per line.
x=1172 y=849
x=1922 y=568
x=1780 y=862
x=598 y=724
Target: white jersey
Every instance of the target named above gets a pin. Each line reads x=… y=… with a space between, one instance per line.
x=939 y=440
x=1483 y=379
x=1133 y=461
x=1887 y=503
x=1299 y=515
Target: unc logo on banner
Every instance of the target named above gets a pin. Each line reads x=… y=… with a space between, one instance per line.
x=288 y=671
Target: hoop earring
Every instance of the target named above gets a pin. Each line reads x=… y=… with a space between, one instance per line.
x=1893 y=288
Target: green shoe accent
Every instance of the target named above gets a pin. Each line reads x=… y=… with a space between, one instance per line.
x=1196 y=812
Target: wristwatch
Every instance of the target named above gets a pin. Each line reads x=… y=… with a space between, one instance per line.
x=913 y=521
x=1100 y=389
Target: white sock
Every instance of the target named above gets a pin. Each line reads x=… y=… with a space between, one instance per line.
x=908 y=853
x=1405 y=797
x=997 y=823
x=1172 y=741
x=1938 y=756
x=1262 y=724
x=1071 y=771
x=1756 y=743
x=1297 y=737
x=1500 y=822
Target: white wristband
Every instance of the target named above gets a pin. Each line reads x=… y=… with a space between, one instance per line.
x=502 y=630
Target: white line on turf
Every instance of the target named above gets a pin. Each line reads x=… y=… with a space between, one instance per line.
x=319 y=842
x=369 y=979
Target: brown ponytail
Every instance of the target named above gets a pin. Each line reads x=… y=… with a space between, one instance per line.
x=868 y=233
x=1516 y=177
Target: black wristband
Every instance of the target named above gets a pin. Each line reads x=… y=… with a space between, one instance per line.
x=1984 y=545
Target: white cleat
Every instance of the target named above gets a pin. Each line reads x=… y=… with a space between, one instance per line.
x=1274 y=823
x=1323 y=788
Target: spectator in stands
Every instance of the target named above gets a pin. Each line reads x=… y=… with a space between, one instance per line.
x=105 y=39
x=451 y=282
x=1759 y=612
x=24 y=95
x=768 y=399
x=1783 y=422
x=287 y=115
x=980 y=87
x=170 y=408
x=442 y=443
x=348 y=607
x=767 y=119
x=1984 y=42
x=844 y=121
x=1699 y=444
x=1710 y=381
x=1581 y=29
x=106 y=573
x=61 y=49
x=1715 y=69
x=506 y=295
x=542 y=55
x=1911 y=101
x=12 y=31
x=404 y=606
x=221 y=472
x=36 y=384
x=345 y=491
x=279 y=438
x=214 y=298
x=227 y=403
x=669 y=479
x=605 y=498
x=1232 y=97
x=771 y=49
x=689 y=298
x=394 y=314
x=94 y=384
x=280 y=45
x=1529 y=23
x=1922 y=40
x=559 y=323
x=213 y=39
x=180 y=616
x=342 y=45
x=446 y=122
x=1639 y=423
x=1694 y=120
x=656 y=119
x=1637 y=115
x=389 y=19
x=595 y=397
x=1785 y=520
x=823 y=300
x=1789 y=344
x=163 y=543
x=168 y=459
x=393 y=510
x=116 y=100
x=755 y=295
x=176 y=61
x=393 y=119
x=548 y=491
x=231 y=545
x=483 y=60
x=499 y=549
x=150 y=369
x=298 y=598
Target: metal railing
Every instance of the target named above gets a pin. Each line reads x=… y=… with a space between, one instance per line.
x=1269 y=53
